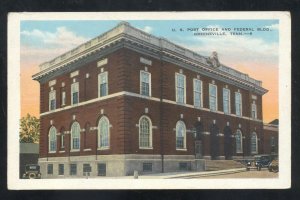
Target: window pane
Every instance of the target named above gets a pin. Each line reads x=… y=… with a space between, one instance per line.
x=239 y=141
x=75 y=97
x=73 y=169
x=104 y=132
x=253 y=143
x=61 y=169
x=180 y=88
x=144 y=132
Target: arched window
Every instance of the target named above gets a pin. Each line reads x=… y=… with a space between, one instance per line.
x=145 y=132
x=52 y=139
x=180 y=135
x=75 y=136
x=103 y=133
x=253 y=143
x=239 y=141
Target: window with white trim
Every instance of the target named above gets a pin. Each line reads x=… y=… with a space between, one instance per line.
x=102 y=84
x=145 y=132
x=180 y=88
x=145 y=83
x=253 y=110
x=180 y=135
x=52 y=139
x=253 y=143
x=75 y=136
x=197 y=93
x=75 y=93
x=239 y=141
x=63 y=98
x=103 y=133
x=213 y=105
x=238 y=104
x=52 y=100
x=226 y=101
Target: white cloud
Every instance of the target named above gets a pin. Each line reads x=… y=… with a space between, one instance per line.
x=41 y=46
x=273 y=27
x=148 y=29
x=62 y=37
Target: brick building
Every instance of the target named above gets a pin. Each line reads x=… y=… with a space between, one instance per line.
x=270 y=138
x=127 y=100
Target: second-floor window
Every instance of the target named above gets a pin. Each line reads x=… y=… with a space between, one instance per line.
x=103 y=86
x=253 y=110
x=180 y=88
x=75 y=93
x=145 y=83
x=238 y=104
x=52 y=100
x=212 y=97
x=226 y=100
x=197 y=93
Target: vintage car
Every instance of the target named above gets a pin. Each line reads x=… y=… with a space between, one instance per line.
x=263 y=161
x=274 y=166
x=32 y=171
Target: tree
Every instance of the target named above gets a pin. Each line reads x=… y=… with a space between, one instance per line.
x=29 y=129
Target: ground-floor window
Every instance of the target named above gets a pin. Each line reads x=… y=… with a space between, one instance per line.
x=101 y=169
x=184 y=166
x=50 y=169
x=86 y=168
x=61 y=169
x=147 y=167
x=73 y=169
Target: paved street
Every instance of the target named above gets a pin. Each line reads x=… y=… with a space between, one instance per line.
x=247 y=174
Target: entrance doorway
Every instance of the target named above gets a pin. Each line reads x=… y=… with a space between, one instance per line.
x=228 y=143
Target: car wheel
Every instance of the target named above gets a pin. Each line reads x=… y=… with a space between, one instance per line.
x=32 y=176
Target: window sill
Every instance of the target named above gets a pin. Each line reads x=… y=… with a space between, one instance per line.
x=74 y=150
x=149 y=148
x=103 y=148
x=52 y=152
x=62 y=151
x=181 y=149
x=87 y=149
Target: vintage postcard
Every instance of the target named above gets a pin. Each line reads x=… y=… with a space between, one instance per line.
x=135 y=100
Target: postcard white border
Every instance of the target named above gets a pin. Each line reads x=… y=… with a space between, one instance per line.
x=284 y=179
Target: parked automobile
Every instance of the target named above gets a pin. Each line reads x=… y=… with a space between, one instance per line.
x=263 y=161
x=274 y=166
x=32 y=171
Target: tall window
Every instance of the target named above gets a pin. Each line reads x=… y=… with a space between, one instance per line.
x=63 y=98
x=52 y=139
x=226 y=100
x=238 y=104
x=73 y=169
x=197 y=93
x=103 y=86
x=180 y=135
x=145 y=132
x=75 y=136
x=52 y=100
x=145 y=83
x=103 y=133
x=75 y=93
x=253 y=143
x=180 y=88
x=253 y=110
x=213 y=97
x=239 y=141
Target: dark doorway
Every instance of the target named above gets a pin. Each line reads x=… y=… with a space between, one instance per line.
x=214 y=142
x=228 y=143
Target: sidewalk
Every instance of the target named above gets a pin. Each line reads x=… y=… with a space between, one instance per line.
x=191 y=174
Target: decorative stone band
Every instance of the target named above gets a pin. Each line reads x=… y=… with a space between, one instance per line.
x=244 y=137
x=205 y=133
x=82 y=130
x=67 y=132
x=220 y=135
x=93 y=128
x=58 y=133
x=233 y=136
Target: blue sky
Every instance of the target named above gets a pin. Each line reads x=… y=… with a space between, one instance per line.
x=61 y=36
